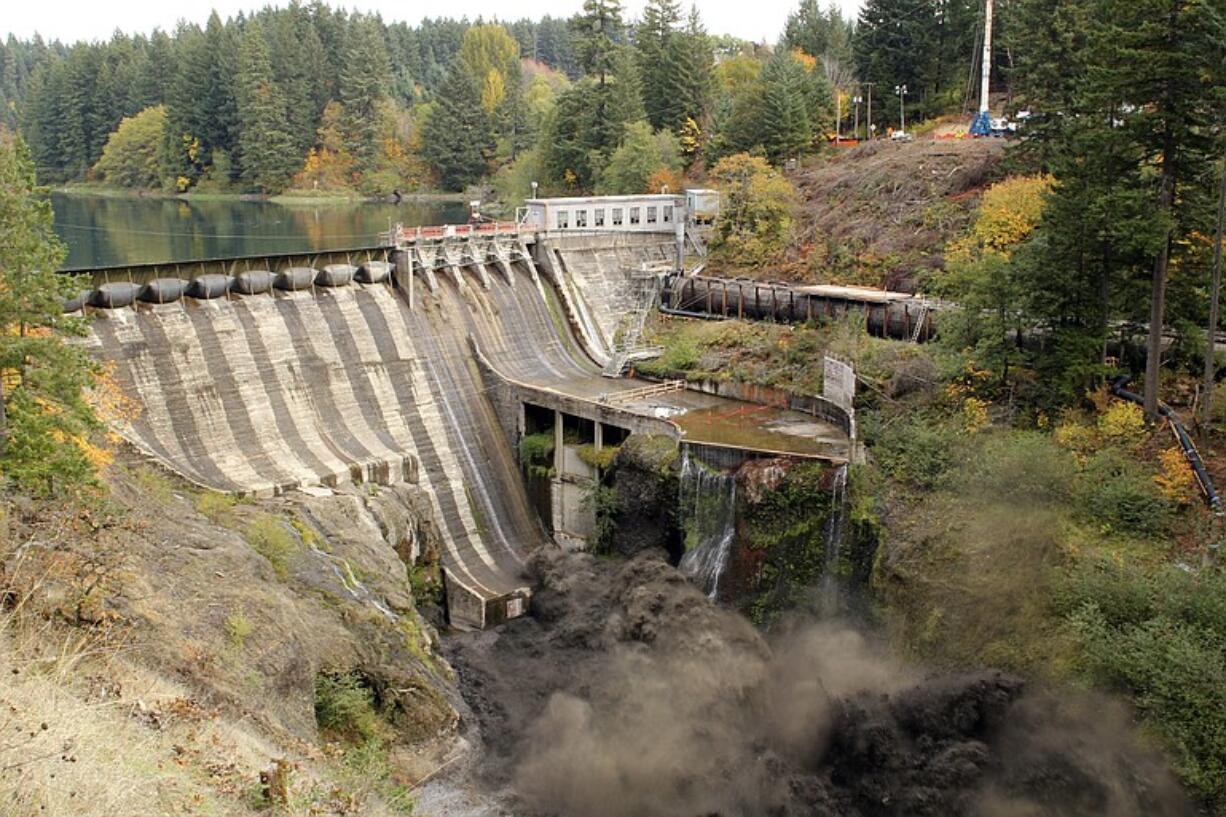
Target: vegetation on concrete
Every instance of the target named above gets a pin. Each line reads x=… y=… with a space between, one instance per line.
x=598 y=458
x=536 y=453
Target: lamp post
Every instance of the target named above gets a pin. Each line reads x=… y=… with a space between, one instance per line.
x=901 y=91
x=855 y=128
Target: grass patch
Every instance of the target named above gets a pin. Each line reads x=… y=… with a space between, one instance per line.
x=271 y=538
x=154 y=484
x=238 y=629
x=308 y=535
x=217 y=507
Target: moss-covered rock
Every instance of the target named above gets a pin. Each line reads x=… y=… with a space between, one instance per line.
x=644 y=476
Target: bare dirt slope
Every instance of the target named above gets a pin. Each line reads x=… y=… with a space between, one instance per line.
x=879 y=214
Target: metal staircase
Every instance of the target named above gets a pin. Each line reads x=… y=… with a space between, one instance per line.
x=629 y=346
x=919 y=322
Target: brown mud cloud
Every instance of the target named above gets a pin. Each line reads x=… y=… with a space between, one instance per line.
x=628 y=694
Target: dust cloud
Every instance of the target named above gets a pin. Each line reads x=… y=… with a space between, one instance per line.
x=627 y=694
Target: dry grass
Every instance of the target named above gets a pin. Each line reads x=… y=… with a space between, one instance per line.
x=87 y=731
x=82 y=735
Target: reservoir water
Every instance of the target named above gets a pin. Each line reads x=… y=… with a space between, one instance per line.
x=110 y=230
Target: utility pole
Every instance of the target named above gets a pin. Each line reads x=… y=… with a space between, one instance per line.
x=982 y=125
x=901 y=91
x=870 y=128
x=855 y=128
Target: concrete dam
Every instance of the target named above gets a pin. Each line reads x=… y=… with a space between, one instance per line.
x=260 y=382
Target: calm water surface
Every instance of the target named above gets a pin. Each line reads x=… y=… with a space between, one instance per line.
x=106 y=231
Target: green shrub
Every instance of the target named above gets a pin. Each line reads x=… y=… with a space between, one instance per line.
x=238 y=627
x=916 y=450
x=345 y=706
x=1019 y=466
x=216 y=507
x=601 y=500
x=1160 y=637
x=270 y=538
x=681 y=355
x=1115 y=491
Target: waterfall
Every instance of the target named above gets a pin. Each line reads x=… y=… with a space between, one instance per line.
x=828 y=595
x=708 y=511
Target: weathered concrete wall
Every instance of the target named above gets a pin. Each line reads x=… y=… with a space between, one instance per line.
x=509 y=395
x=263 y=393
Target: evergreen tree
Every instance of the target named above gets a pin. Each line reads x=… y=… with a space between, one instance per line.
x=220 y=112
x=599 y=32
x=363 y=87
x=458 y=134
x=786 y=130
x=266 y=150
x=819 y=33
x=45 y=419
x=296 y=54
x=696 y=72
x=656 y=45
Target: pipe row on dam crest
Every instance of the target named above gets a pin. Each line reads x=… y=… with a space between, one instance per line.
x=120 y=294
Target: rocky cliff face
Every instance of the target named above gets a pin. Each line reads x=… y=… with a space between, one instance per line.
x=645 y=481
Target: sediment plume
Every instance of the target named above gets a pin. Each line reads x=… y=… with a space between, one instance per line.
x=628 y=694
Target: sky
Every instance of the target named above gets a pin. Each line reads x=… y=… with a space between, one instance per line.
x=70 y=20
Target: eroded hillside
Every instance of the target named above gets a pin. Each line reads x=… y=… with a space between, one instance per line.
x=880 y=214
x=165 y=648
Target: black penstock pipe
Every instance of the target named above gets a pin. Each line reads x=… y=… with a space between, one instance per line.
x=1185 y=440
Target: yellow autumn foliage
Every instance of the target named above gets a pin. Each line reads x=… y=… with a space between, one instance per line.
x=1008 y=213
x=1175 y=479
x=1123 y=424
x=975 y=414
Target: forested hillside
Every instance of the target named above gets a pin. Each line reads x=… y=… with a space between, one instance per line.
x=309 y=97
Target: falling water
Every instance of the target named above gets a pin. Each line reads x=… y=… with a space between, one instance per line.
x=829 y=587
x=708 y=508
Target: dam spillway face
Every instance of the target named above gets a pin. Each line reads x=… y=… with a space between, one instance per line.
x=339 y=383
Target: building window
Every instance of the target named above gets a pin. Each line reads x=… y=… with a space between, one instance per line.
x=563 y=219
x=581 y=218
x=668 y=214
x=598 y=217
x=651 y=214
x=634 y=215
x=617 y=216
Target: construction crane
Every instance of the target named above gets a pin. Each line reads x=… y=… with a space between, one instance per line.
x=981 y=125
